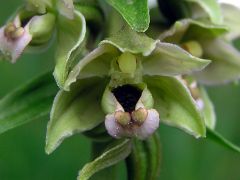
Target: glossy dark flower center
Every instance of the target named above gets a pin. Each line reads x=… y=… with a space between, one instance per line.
x=128 y=96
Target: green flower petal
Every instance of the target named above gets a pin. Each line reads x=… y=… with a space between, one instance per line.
x=135 y=12
x=76 y=111
x=229 y=16
x=70 y=36
x=111 y=156
x=213 y=9
x=175 y=104
x=127 y=40
x=225 y=66
x=96 y=63
x=169 y=59
x=188 y=29
x=208 y=109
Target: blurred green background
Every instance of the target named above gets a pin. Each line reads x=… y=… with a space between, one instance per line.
x=22 y=153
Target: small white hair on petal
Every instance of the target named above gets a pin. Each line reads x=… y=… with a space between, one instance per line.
x=149 y=126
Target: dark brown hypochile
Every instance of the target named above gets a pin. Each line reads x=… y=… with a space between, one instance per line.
x=128 y=96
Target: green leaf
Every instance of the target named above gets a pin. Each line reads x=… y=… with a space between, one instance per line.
x=96 y=63
x=135 y=12
x=169 y=59
x=127 y=40
x=108 y=158
x=188 y=29
x=27 y=103
x=175 y=104
x=215 y=136
x=211 y=7
x=229 y=19
x=208 y=109
x=76 y=111
x=225 y=66
x=70 y=37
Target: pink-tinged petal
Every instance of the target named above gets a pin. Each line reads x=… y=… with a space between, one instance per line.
x=149 y=126
x=113 y=128
x=12 y=48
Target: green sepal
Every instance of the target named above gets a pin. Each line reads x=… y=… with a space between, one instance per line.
x=27 y=103
x=230 y=13
x=218 y=138
x=212 y=8
x=70 y=37
x=127 y=40
x=225 y=66
x=76 y=111
x=135 y=12
x=96 y=63
x=208 y=109
x=188 y=29
x=111 y=156
x=175 y=104
x=170 y=60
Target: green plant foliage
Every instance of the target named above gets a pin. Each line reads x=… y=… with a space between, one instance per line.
x=111 y=156
x=135 y=12
x=27 y=103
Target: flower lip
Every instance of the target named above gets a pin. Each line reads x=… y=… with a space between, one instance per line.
x=128 y=96
x=129 y=111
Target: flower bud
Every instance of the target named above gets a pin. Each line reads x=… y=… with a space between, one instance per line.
x=16 y=35
x=41 y=28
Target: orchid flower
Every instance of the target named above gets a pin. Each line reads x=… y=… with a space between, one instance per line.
x=116 y=85
x=136 y=82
